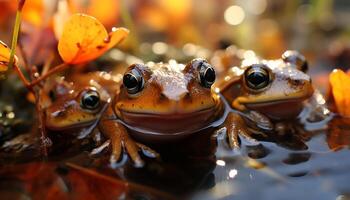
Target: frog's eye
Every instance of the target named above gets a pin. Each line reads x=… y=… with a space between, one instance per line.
x=133 y=81
x=296 y=58
x=257 y=76
x=206 y=74
x=90 y=100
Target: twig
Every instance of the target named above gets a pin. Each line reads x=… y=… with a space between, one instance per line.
x=46 y=142
x=24 y=57
x=22 y=77
x=54 y=70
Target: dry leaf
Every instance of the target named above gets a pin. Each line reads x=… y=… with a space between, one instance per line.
x=84 y=38
x=340 y=84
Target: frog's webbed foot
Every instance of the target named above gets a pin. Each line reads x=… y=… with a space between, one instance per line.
x=121 y=144
x=235 y=127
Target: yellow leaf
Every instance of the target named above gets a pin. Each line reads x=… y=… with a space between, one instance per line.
x=84 y=39
x=340 y=83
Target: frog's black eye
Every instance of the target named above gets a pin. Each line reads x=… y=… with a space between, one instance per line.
x=296 y=58
x=257 y=76
x=206 y=74
x=133 y=81
x=90 y=100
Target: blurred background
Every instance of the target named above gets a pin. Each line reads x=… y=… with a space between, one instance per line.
x=319 y=29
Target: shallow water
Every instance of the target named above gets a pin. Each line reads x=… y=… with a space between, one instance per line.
x=260 y=171
x=314 y=165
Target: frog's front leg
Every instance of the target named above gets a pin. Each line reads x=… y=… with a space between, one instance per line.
x=120 y=141
x=244 y=124
x=235 y=126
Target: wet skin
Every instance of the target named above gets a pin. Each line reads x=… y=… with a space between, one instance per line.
x=273 y=88
x=86 y=102
x=154 y=103
x=171 y=100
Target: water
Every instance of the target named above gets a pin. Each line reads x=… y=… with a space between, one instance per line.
x=268 y=170
x=312 y=165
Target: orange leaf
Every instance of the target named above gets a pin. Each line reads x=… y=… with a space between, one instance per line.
x=340 y=83
x=4 y=57
x=84 y=39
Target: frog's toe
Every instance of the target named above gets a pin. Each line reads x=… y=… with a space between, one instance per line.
x=148 y=151
x=117 y=162
x=133 y=150
x=233 y=140
x=248 y=138
x=100 y=148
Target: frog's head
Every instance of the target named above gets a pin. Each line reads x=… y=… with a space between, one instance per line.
x=275 y=88
x=76 y=108
x=167 y=97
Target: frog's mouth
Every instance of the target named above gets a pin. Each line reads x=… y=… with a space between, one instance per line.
x=59 y=126
x=241 y=103
x=166 y=124
x=278 y=108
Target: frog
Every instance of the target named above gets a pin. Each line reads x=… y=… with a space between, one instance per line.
x=168 y=101
x=175 y=100
x=277 y=89
x=153 y=103
x=84 y=102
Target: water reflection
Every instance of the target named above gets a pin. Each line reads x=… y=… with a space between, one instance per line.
x=202 y=168
x=297 y=158
x=338 y=135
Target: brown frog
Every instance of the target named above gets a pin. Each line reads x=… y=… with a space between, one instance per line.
x=274 y=88
x=164 y=101
x=155 y=103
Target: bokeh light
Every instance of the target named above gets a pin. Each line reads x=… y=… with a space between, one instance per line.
x=234 y=15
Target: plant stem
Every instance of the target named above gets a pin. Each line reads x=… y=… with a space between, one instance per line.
x=45 y=140
x=54 y=70
x=22 y=77
x=15 y=33
x=14 y=44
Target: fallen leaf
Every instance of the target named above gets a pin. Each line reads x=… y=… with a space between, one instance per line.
x=340 y=87
x=84 y=39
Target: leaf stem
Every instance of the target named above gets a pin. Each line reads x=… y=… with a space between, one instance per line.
x=54 y=70
x=15 y=37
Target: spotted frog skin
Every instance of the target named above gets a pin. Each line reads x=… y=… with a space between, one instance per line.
x=273 y=88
